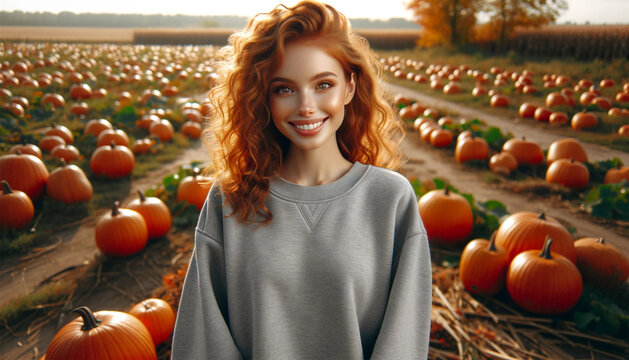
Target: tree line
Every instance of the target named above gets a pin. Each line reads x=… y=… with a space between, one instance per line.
x=457 y=21
x=70 y=19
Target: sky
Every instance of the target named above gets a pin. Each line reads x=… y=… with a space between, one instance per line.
x=579 y=11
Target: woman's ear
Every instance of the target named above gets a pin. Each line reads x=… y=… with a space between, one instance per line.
x=350 y=89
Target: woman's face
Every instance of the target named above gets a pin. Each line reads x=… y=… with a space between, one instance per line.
x=308 y=94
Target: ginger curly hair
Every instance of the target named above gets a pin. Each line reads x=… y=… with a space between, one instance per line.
x=246 y=150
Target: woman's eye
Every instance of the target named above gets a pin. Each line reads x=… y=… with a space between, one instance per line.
x=324 y=85
x=282 y=90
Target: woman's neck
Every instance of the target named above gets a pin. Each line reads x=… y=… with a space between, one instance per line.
x=314 y=167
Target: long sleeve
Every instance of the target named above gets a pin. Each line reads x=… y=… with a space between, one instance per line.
x=202 y=327
x=405 y=329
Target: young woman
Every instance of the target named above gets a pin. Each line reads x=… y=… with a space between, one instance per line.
x=308 y=246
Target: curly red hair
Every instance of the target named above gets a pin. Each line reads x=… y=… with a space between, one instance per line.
x=246 y=150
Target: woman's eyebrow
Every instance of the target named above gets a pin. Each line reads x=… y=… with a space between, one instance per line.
x=316 y=77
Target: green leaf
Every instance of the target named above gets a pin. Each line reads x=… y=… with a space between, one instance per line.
x=583 y=319
x=601 y=210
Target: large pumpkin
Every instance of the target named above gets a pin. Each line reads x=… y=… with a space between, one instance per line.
x=103 y=335
x=158 y=317
x=16 y=208
x=569 y=173
x=69 y=184
x=155 y=213
x=24 y=172
x=525 y=230
x=450 y=229
x=483 y=267
x=601 y=264
x=112 y=161
x=121 y=232
x=544 y=282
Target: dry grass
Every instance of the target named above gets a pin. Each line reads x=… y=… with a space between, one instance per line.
x=45 y=33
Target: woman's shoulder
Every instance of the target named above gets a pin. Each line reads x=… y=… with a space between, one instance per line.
x=386 y=177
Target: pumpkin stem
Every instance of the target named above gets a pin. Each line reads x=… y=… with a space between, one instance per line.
x=147 y=306
x=115 y=211
x=601 y=241
x=89 y=320
x=546 y=250
x=6 y=187
x=492 y=242
x=542 y=216
x=142 y=198
x=112 y=144
x=446 y=190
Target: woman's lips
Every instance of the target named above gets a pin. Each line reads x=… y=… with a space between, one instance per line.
x=308 y=127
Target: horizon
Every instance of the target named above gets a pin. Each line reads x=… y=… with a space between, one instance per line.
x=579 y=11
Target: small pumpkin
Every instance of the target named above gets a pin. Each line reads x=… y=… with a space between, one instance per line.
x=142 y=146
x=49 y=142
x=163 y=129
x=55 y=100
x=544 y=282
x=16 y=208
x=527 y=110
x=96 y=126
x=157 y=316
x=441 y=137
x=525 y=230
x=61 y=131
x=499 y=100
x=191 y=129
x=91 y=336
x=26 y=149
x=583 y=120
x=503 y=163
x=617 y=174
x=566 y=148
x=155 y=213
x=112 y=161
x=69 y=184
x=483 y=267
x=471 y=148
x=68 y=153
x=524 y=151
x=117 y=136
x=121 y=232
x=601 y=264
x=569 y=173
x=194 y=189
x=452 y=229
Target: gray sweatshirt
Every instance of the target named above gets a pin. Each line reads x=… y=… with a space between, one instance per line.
x=342 y=272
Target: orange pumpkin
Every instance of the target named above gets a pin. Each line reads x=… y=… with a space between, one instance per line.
x=194 y=189
x=542 y=114
x=91 y=336
x=446 y=230
x=163 y=129
x=24 y=172
x=69 y=184
x=525 y=230
x=96 y=126
x=68 y=153
x=566 y=148
x=471 y=148
x=624 y=130
x=483 y=267
x=544 y=282
x=601 y=264
x=155 y=213
x=157 y=316
x=527 y=110
x=503 y=163
x=617 y=174
x=191 y=129
x=16 y=208
x=49 y=142
x=524 y=151
x=31 y=149
x=121 y=232
x=55 y=100
x=556 y=99
x=112 y=161
x=499 y=100
x=558 y=118
x=569 y=173
x=441 y=137
x=117 y=136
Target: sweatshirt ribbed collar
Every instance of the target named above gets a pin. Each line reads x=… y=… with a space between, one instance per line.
x=325 y=192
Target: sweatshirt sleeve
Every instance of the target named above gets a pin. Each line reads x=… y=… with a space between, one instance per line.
x=405 y=329
x=202 y=326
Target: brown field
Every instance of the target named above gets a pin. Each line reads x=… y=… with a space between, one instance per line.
x=380 y=39
x=45 y=33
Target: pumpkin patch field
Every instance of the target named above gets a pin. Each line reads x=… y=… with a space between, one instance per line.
x=101 y=158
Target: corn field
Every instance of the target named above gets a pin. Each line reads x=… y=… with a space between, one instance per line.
x=578 y=42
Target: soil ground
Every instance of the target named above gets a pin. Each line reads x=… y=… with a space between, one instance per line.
x=115 y=284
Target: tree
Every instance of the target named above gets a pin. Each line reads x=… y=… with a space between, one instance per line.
x=444 y=21
x=507 y=15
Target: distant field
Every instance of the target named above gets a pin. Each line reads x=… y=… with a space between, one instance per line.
x=385 y=39
x=43 y=33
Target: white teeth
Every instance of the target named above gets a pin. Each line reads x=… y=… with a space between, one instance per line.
x=309 y=126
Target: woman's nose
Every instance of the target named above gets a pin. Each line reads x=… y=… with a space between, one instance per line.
x=306 y=105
